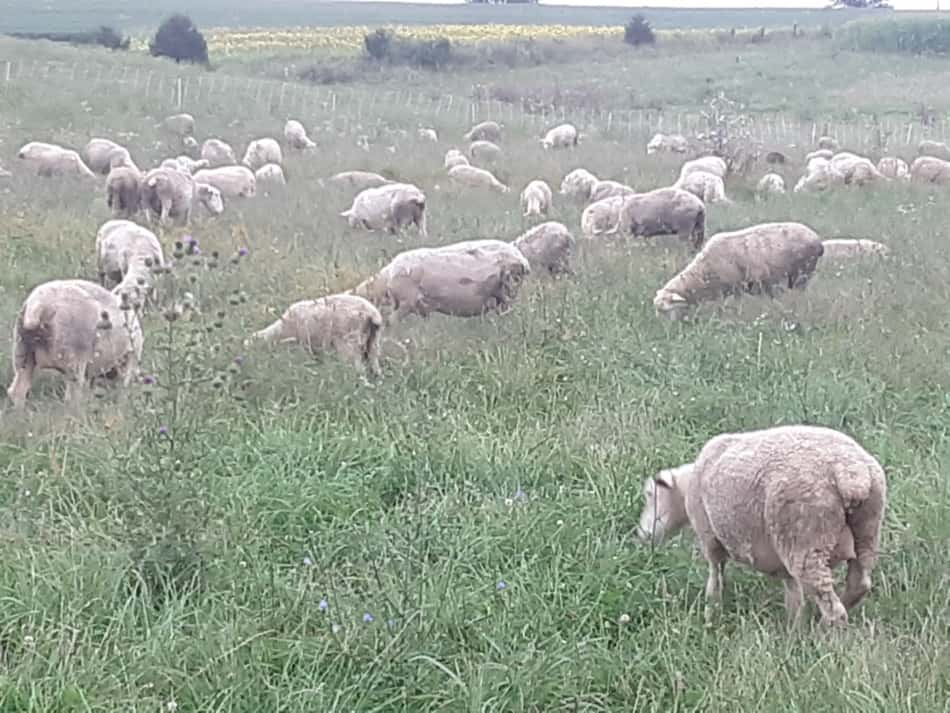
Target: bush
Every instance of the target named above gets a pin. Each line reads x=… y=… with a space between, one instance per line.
x=378 y=44
x=104 y=36
x=904 y=36
x=383 y=46
x=638 y=32
x=179 y=39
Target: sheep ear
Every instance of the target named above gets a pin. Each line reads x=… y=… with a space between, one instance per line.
x=676 y=298
x=664 y=479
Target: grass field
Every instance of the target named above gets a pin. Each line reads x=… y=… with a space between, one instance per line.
x=456 y=537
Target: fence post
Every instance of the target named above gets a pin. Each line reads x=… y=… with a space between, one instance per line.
x=7 y=71
x=179 y=94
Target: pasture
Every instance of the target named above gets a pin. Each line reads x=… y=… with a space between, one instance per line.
x=260 y=530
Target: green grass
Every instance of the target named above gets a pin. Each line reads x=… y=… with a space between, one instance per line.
x=140 y=570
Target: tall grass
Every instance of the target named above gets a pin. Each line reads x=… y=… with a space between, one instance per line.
x=914 y=36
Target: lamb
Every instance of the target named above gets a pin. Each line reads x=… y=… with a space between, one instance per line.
x=179 y=124
x=664 y=211
x=485 y=131
x=548 y=247
x=601 y=217
x=708 y=187
x=661 y=143
x=894 y=168
x=609 y=189
x=929 y=169
x=346 y=324
x=217 y=153
x=536 y=199
x=428 y=135
x=78 y=328
x=560 y=137
x=845 y=249
x=391 y=207
x=578 y=185
x=124 y=191
x=466 y=279
x=757 y=259
x=296 y=136
x=453 y=158
x=359 y=180
x=99 y=155
x=707 y=164
x=770 y=184
x=936 y=149
x=172 y=195
x=484 y=151
x=473 y=177
x=52 y=160
x=231 y=181
x=828 y=143
x=270 y=173
x=792 y=502
x=260 y=152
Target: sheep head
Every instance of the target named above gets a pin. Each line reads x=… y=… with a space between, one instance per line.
x=670 y=304
x=664 y=507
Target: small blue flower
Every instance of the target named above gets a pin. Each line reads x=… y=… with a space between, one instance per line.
x=391 y=623
x=307 y=562
x=239 y=360
x=501 y=586
x=520 y=494
x=323 y=605
x=190 y=240
x=243 y=252
x=368 y=618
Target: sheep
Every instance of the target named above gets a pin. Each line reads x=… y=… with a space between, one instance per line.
x=664 y=211
x=52 y=160
x=261 y=152
x=168 y=194
x=929 y=169
x=473 y=177
x=757 y=259
x=185 y=164
x=189 y=144
x=936 y=149
x=894 y=168
x=118 y=243
x=485 y=131
x=484 y=151
x=346 y=324
x=78 y=328
x=826 y=154
x=124 y=191
x=707 y=164
x=608 y=189
x=857 y=170
x=231 y=181
x=536 y=199
x=661 y=143
x=359 y=180
x=548 y=247
x=296 y=136
x=428 y=135
x=820 y=175
x=708 y=187
x=453 y=158
x=391 y=207
x=770 y=184
x=99 y=155
x=270 y=173
x=601 y=217
x=179 y=124
x=466 y=279
x=578 y=185
x=828 y=143
x=792 y=502
x=845 y=249
x=560 y=137
x=217 y=153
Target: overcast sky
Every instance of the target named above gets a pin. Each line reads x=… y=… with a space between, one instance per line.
x=898 y=4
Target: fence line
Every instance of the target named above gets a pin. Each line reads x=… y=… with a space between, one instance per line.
x=285 y=98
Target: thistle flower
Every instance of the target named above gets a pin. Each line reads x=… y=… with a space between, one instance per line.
x=190 y=240
x=163 y=430
x=239 y=360
x=148 y=380
x=243 y=252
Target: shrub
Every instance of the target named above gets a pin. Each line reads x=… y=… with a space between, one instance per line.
x=103 y=35
x=383 y=46
x=179 y=39
x=378 y=44
x=638 y=32
x=728 y=134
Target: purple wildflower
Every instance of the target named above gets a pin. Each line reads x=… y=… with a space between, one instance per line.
x=148 y=380
x=368 y=618
x=196 y=250
x=243 y=252
x=520 y=494
x=501 y=586
x=239 y=360
x=190 y=240
x=163 y=430
x=323 y=605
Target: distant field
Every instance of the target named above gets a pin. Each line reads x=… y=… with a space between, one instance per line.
x=64 y=15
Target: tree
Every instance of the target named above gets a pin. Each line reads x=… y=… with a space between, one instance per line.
x=863 y=4
x=638 y=32
x=179 y=39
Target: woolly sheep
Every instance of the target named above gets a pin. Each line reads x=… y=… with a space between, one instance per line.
x=609 y=189
x=857 y=170
x=665 y=211
x=662 y=143
x=79 y=329
x=428 y=135
x=485 y=131
x=179 y=124
x=99 y=155
x=52 y=160
x=828 y=143
x=296 y=136
x=473 y=177
x=359 y=180
x=560 y=137
x=124 y=191
x=578 y=185
x=536 y=199
x=119 y=243
x=894 y=168
x=845 y=249
x=708 y=187
x=826 y=154
x=929 y=169
x=707 y=164
x=391 y=207
x=231 y=181
x=217 y=153
x=270 y=173
x=345 y=324
x=757 y=259
x=466 y=279
x=601 y=217
x=792 y=502
x=170 y=195
x=453 y=158
x=820 y=175
x=936 y=149
x=186 y=164
x=548 y=247
x=484 y=151
x=770 y=184
x=260 y=152
x=189 y=144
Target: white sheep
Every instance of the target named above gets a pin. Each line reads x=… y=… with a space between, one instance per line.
x=664 y=211
x=231 y=181
x=706 y=164
x=485 y=131
x=179 y=124
x=762 y=258
x=170 y=195
x=560 y=137
x=79 y=329
x=894 y=168
x=857 y=170
x=820 y=175
x=601 y=217
x=770 y=184
x=261 y=152
x=792 y=502
x=849 y=249
x=826 y=154
x=536 y=199
x=391 y=208
x=484 y=151
x=345 y=324
x=218 y=153
x=930 y=170
x=472 y=177
x=124 y=191
x=663 y=143
x=359 y=180
x=936 y=149
x=578 y=185
x=52 y=160
x=548 y=247
x=428 y=135
x=120 y=244
x=185 y=164
x=271 y=174
x=708 y=187
x=296 y=136
x=453 y=158
x=102 y=154
x=609 y=189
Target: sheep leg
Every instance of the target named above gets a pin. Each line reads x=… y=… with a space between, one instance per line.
x=813 y=573
x=716 y=557
x=22 y=381
x=75 y=383
x=865 y=529
x=421 y=224
x=794 y=602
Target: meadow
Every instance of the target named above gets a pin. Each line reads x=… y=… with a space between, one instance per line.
x=260 y=530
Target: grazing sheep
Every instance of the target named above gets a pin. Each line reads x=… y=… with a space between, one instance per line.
x=578 y=185
x=601 y=217
x=707 y=164
x=775 y=158
x=757 y=259
x=359 y=180
x=345 y=324
x=662 y=143
x=845 y=249
x=261 y=152
x=186 y=164
x=189 y=144
x=79 y=329
x=485 y=131
x=472 y=177
x=484 y=151
x=828 y=143
x=826 y=154
x=122 y=244
x=609 y=189
x=936 y=149
x=792 y=502
x=124 y=191
x=466 y=279
x=708 y=187
x=894 y=168
x=179 y=124
x=560 y=137
x=231 y=181
x=453 y=158
x=857 y=170
x=548 y=247
x=428 y=135
x=665 y=211
x=929 y=169
x=770 y=184
x=820 y=175
x=391 y=208
x=217 y=153
x=296 y=136
x=51 y=160
x=170 y=195
x=271 y=174
x=536 y=199
x=99 y=155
